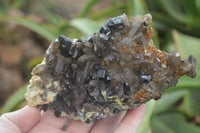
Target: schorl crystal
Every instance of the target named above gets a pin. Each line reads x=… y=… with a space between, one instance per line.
x=117 y=68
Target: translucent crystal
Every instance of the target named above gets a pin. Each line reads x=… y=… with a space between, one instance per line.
x=117 y=68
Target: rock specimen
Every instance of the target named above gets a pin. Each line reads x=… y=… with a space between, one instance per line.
x=117 y=68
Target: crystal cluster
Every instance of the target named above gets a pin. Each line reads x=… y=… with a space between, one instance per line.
x=117 y=68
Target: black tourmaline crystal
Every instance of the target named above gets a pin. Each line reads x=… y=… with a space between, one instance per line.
x=117 y=68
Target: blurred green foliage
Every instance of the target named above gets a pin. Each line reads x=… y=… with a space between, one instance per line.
x=177 y=23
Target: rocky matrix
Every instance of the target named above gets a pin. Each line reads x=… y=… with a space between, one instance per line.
x=117 y=68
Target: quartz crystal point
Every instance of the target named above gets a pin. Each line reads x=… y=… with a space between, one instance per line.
x=117 y=68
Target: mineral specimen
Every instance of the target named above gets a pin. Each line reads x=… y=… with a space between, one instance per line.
x=117 y=68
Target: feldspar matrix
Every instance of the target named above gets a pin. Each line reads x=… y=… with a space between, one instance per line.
x=117 y=68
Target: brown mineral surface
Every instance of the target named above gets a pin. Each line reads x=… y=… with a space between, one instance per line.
x=117 y=68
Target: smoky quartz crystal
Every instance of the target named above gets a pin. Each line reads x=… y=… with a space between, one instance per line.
x=117 y=68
